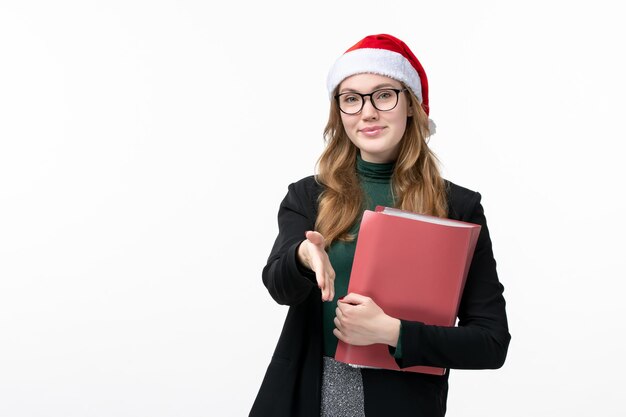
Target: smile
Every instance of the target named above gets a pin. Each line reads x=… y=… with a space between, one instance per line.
x=372 y=131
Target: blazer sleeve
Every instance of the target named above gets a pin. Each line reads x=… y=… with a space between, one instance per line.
x=481 y=339
x=288 y=281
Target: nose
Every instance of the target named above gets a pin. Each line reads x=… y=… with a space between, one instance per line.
x=368 y=111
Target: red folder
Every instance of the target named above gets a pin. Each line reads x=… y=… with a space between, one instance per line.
x=414 y=267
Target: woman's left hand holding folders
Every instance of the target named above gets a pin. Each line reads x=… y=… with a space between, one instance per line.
x=360 y=321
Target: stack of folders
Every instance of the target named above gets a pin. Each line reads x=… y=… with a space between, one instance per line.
x=414 y=267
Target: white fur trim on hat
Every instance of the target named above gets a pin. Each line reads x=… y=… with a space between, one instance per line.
x=432 y=127
x=375 y=61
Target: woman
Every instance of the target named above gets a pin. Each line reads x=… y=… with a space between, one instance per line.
x=376 y=154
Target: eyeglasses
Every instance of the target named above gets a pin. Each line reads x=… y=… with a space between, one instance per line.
x=384 y=100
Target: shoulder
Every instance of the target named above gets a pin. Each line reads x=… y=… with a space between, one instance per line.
x=304 y=193
x=462 y=202
x=307 y=184
x=308 y=188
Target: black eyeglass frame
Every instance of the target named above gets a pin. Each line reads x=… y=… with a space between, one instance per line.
x=396 y=90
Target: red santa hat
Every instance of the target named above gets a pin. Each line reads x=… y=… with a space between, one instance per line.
x=384 y=55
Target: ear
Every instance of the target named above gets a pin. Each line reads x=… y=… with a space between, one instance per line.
x=410 y=110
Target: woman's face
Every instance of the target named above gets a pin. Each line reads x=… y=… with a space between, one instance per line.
x=376 y=133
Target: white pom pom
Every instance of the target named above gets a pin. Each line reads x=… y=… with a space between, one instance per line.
x=432 y=127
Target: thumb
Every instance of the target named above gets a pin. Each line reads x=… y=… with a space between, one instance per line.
x=353 y=298
x=315 y=238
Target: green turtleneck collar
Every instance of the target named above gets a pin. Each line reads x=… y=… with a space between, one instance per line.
x=374 y=172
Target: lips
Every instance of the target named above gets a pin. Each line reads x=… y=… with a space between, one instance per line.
x=371 y=130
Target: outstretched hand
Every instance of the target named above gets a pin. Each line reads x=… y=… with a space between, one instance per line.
x=360 y=321
x=312 y=254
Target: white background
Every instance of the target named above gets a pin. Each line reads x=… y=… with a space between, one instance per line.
x=145 y=147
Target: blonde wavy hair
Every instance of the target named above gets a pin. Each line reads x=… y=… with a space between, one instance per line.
x=416 y=179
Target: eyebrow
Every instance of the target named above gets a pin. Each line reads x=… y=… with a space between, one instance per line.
x=377 y=87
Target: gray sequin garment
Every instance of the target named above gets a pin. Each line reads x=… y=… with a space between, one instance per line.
x=342 y=390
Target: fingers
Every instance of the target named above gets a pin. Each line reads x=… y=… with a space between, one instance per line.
x=338 y=330
x=326 y=282
x=342 y=330
x=320 y=263
x=340 y=320
x=338 y=314
x=340 y=335
x=331 y=283
x=325 y=275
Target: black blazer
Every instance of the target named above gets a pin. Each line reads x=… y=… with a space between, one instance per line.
x=292 y=383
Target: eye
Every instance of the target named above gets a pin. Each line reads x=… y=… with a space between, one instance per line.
x=384 y=94
x=350 y=98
